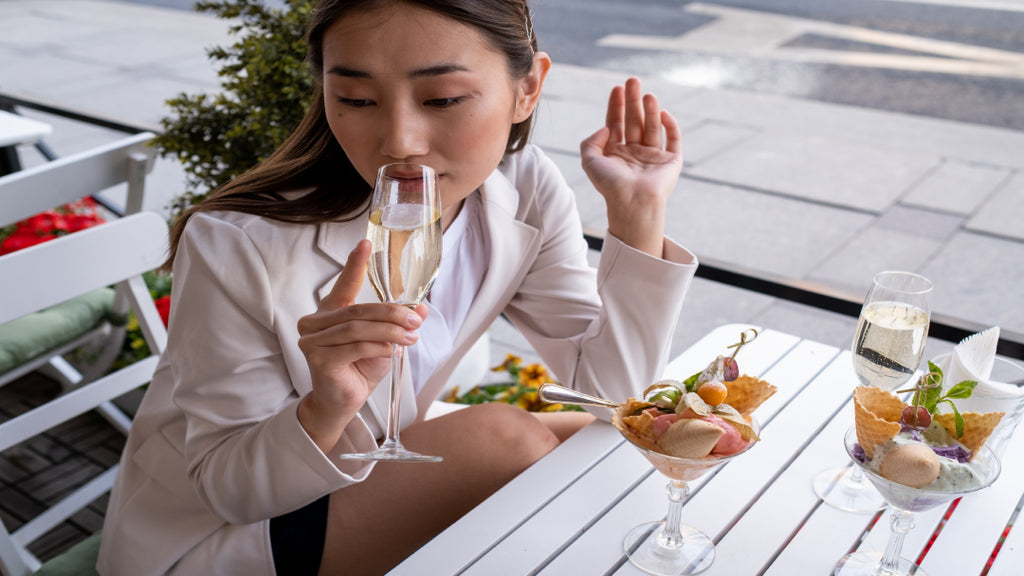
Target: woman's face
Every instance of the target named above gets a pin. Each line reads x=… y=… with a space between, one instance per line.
x=405 y=84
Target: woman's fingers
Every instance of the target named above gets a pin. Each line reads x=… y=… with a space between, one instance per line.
x=348 y=284
x=673 y=134
x=634 y=112
x=634 y=117
x=615 y=119
x=652 y=122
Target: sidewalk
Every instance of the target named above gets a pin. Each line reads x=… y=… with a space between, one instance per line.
x=823 y=193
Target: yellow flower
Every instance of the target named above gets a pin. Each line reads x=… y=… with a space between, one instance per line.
x=453 y=394
x=531 y=402
x=528 y=401
x=533 y=375
x=511 y=361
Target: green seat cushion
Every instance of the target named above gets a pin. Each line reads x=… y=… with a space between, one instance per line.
x=80 y=560
x=30 y=336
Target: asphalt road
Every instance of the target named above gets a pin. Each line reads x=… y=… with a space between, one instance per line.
x=955 y=59
x=940 y=60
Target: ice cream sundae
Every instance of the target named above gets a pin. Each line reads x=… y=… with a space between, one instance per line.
x=912 y=444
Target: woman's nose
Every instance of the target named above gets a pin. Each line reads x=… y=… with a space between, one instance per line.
x=405 y=134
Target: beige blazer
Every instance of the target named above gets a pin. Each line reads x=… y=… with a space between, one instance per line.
x=216 y=448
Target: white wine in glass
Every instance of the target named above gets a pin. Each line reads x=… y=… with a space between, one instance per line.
x=889 y=343
x=887 y=349
x=405 y=233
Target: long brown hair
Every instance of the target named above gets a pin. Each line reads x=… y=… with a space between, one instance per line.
x=310 y=158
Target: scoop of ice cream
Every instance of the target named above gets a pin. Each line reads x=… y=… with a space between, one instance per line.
x=690 y=438
x=731 y=441
x=912 y=464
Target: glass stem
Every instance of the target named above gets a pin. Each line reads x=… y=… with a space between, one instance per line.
x=671 y=535
x=397 y=353
x=856 y=476
x=901 y=523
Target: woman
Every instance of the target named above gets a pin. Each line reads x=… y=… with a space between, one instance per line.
x=277 y=344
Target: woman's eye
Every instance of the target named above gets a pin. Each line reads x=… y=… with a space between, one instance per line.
x=355 y=102
x=444 y=102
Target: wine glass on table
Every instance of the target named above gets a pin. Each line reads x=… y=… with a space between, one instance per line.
x=905 y=501
x=405 y=233
x=887 y=349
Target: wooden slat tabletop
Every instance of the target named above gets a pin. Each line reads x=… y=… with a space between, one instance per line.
x=568 y=514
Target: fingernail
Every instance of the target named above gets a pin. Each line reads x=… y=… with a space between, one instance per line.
x=415 y=320
x=411 y=337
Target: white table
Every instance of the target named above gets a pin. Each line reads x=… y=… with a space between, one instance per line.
x=567 y=514
x=15 y=130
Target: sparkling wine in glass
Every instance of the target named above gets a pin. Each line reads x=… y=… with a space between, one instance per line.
x=405 y=233
x=887 y=349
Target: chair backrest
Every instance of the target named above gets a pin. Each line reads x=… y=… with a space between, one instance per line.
x=115 y=253
x=33 y=190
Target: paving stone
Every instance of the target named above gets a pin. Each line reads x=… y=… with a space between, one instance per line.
x=836 y=172
x=920 y=222
x=875 y=249
x=56 y=541
x=25 y=459
x=88 y=519
x=1003 y=214
x=771 y=234
x=54 y=483
x=48 y=448
x=18 y=507
x=957 y=187
x=562 y=124
x=977 y=278
x=710 y=137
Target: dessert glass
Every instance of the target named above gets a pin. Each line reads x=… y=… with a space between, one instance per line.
x=668 y=547
x=905 y=501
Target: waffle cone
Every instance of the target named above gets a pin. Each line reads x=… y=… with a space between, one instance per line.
x=637 y=428
x=876 y=417
x=746 y=393
x=977 y=427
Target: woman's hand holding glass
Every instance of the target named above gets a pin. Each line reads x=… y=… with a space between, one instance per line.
x=348 y=349
x=634 y=161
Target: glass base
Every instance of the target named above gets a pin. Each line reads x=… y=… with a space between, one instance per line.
x=391 y=454
x=837 y=488
x=645 y=550
x=867 y=564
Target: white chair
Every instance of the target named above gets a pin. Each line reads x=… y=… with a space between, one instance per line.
x=68 y=327
x=115 y=253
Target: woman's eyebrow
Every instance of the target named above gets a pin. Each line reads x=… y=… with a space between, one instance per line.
x=436 y=70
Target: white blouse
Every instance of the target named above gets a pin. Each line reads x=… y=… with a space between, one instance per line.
x=463 y=263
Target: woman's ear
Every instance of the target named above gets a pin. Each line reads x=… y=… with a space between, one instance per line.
x=530 y=87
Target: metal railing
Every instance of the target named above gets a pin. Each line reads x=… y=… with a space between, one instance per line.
x=943 y=327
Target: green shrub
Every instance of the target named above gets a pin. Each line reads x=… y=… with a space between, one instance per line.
x=265 y=92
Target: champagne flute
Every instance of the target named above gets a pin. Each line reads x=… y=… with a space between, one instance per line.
x=405 y=232
x=887 y=349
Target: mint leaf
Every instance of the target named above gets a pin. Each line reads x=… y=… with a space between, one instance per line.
x=932 y=392
x=958 y=420
x=689 y=382
x=962 y=390
x=666 y=399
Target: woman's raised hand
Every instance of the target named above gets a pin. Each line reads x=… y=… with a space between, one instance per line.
x=348 y=349
x=634 y=161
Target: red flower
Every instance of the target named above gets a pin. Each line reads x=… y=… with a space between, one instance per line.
x=48 y=225
x=163 y=306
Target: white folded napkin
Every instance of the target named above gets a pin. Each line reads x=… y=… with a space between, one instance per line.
x=972 y=359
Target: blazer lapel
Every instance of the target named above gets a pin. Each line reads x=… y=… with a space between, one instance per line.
x=513 y=245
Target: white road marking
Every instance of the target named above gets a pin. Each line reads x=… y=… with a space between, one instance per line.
x=764 y=35
x=1007 y=5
